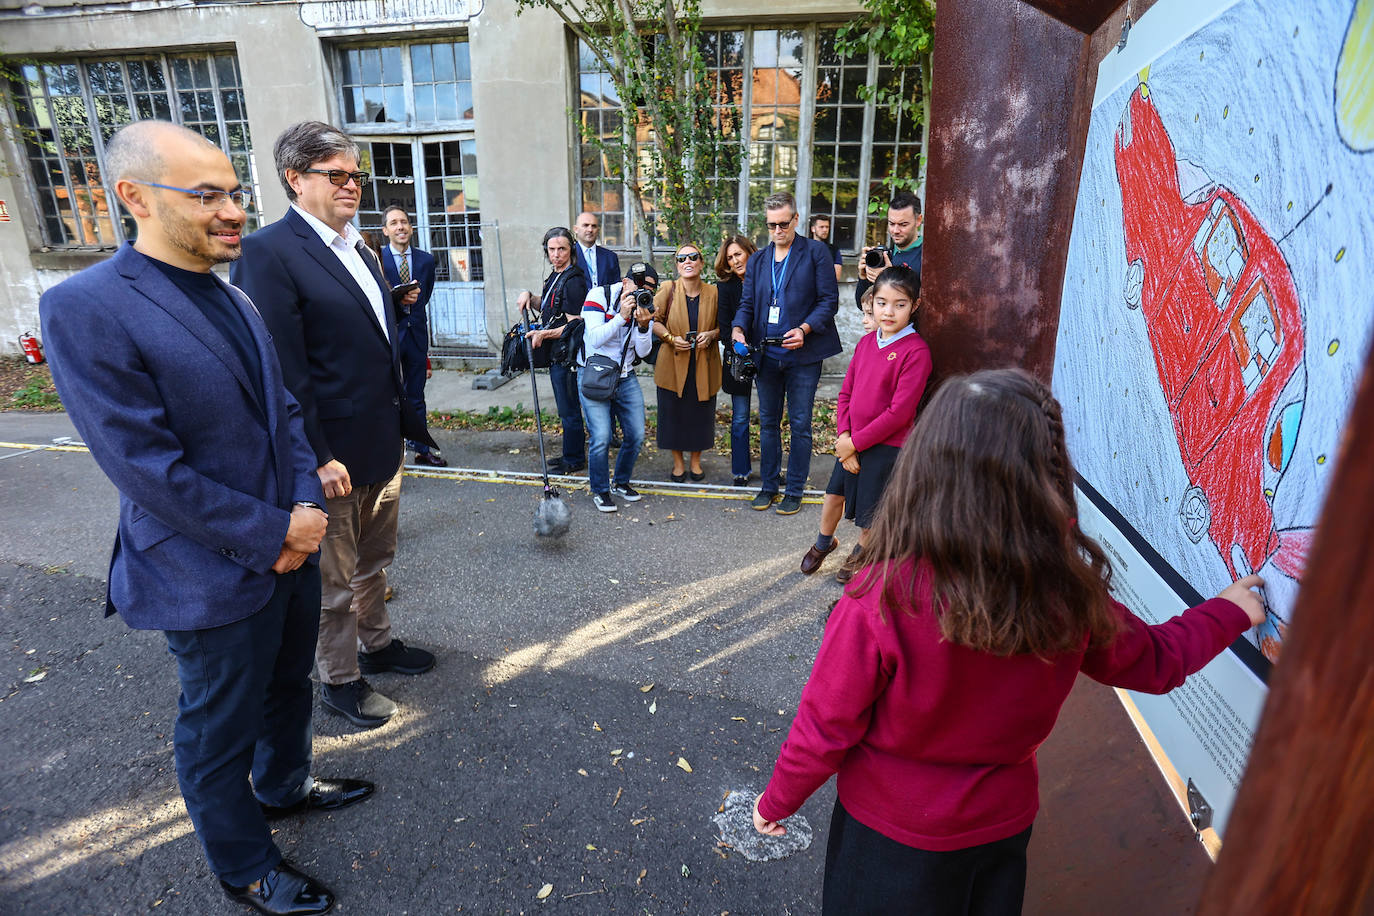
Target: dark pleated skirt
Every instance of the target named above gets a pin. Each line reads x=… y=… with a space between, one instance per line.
x=684 y=423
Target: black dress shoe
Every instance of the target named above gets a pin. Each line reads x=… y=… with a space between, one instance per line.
x=283 y=890
x=431 y=459
x=397 y=658
x=324 y=795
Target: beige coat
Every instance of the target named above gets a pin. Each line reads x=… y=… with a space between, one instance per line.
x=671 y=369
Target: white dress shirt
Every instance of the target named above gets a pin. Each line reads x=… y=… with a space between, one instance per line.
x=345 y=249
x=589 y=254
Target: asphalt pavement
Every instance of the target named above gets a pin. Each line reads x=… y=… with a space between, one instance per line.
x=595 y=701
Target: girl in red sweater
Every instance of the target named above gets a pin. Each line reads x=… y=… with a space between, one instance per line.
x=877 y=405
x=976 y=603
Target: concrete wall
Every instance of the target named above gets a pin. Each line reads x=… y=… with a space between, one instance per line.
x=523 y=87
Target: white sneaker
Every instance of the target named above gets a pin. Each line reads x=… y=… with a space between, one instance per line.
x=626 y=492
x=603 y=502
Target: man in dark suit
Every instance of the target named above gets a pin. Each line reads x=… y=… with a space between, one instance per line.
x=787 y=309
x=322 y=295
x=171 y=379
x=403 y=263
x=600 y=265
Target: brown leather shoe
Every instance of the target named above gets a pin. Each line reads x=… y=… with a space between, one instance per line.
x=814 y=558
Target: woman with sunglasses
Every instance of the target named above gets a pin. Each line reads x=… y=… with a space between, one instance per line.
x=730 y=265
x=688 y=369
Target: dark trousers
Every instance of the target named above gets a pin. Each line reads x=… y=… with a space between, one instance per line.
x=414 y=347
x=245 y=710
x=797 y=385
x=866 y=872
x=570 y=413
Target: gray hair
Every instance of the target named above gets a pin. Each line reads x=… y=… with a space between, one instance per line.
x=133 y=152
x=302 y=145
x=779 y=199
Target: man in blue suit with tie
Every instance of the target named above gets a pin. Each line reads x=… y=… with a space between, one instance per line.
x=787 y=309
x=600 y=265
x=403 y=263
x=322 y=295
x=170 y=376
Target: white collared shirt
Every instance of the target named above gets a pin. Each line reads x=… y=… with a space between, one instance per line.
x=589 y=254
x=345 y=249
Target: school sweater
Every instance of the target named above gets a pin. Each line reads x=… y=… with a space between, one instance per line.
x=881 y=390
x=934 y=744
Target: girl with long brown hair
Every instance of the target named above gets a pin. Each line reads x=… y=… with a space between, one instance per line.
x=976 y=601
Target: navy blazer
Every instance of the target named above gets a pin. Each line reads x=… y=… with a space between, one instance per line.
x=810 y=295
x=335 y=358
x=422 y=269
x=207 y=474
x=607 y=265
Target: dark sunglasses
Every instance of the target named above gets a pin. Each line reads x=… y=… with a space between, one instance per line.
x=782 y=225
x=694 y=256
x=340 y=178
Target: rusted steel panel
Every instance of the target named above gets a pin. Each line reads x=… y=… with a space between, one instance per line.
x=1110 y=837
x=1301 y=835
x=1009 y=116
x=1083 y=15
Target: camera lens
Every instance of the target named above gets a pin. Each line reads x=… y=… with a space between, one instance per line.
x=873 y=258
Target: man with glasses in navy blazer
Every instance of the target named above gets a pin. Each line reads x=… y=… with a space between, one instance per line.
x=170 y=376
x=787 y=310
x=321 y=291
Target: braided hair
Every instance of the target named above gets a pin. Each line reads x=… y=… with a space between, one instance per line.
x=980 y=511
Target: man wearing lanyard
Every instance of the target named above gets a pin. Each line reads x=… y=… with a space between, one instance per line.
x=787 y=309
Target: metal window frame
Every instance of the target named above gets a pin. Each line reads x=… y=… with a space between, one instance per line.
x=410 y=125
x=805 y=134
x=171 y=88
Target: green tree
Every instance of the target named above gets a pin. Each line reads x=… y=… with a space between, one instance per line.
x=901 y=33
x=677 y=126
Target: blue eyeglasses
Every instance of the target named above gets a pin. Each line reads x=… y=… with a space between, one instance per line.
x=210 y=200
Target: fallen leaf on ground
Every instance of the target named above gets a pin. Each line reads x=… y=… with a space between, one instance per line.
x=544 y=891
x=738 y=719
x=642 y=873
x=653 y=707
x=591 y=847
x=617 y=752
x=684 y=765
x=614 y=581
x=617 y=796
x=581 y=772
x=635 y=822
x=646 y=688
x=596 y=726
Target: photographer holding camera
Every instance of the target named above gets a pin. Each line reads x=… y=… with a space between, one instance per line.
x=904 y=223
x=616 y=339
x=787 y=310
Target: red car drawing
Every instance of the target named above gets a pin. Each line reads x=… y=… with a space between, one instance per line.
x=1226 y=329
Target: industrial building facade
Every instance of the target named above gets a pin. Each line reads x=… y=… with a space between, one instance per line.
x=469 y=116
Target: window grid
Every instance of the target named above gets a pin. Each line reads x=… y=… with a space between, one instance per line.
x=723 y=53
x=69 y=109
x=774 y=114
x=853 y=147
x=598 y=111
x=385 y=88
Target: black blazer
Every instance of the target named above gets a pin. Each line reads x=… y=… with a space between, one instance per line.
x=335 y=358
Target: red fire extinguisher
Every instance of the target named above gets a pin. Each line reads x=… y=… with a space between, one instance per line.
x=33 y=350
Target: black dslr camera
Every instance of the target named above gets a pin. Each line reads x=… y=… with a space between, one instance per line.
x=873 y=258
x=643 y=297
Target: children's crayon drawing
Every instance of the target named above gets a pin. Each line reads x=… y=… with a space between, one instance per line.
x=1218 y=299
